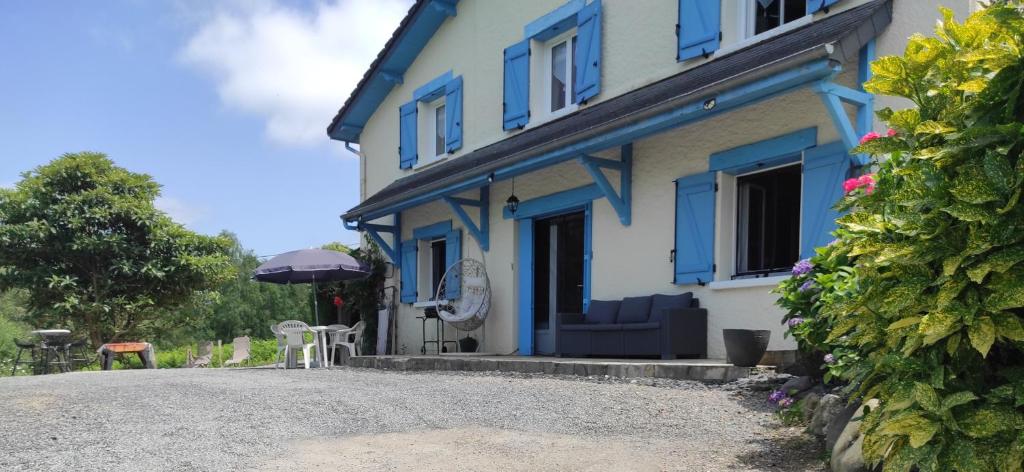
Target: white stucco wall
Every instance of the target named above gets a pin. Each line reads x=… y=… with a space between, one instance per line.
x=628 y=261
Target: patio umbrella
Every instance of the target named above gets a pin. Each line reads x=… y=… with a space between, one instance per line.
x=309 y=266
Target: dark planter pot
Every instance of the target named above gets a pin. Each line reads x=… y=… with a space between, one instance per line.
x=745 y=347
x=467 y=344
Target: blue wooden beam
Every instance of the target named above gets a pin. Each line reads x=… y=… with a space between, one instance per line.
x=480 y=232
x=392 y=77
x=699 y=109
x=834 y=107
x=374 y=230
x=865 y=112
x=607 y=163
x=845 y=94
x=444 y=7
x=621 y=201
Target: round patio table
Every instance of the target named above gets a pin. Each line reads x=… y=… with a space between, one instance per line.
x=54 y=343
x=321 y=345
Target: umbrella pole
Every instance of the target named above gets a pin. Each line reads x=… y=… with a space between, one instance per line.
x=316 y=307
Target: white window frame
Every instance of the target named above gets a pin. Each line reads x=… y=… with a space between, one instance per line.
x=429 y=129
x=549 y=47
x=748 y=22
x=731 y=214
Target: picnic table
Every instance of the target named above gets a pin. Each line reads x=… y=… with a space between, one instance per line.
x=145 y=352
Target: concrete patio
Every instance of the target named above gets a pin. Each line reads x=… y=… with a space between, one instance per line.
x=677 y=369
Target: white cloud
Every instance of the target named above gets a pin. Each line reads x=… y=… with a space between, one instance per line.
x=293 y=68
x=178 y=210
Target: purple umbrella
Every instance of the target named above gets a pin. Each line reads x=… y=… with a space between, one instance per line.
x=310 y=266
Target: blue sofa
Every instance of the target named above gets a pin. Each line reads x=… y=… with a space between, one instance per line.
x=668 y=326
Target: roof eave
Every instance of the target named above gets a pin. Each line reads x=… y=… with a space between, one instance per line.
x=387 y=70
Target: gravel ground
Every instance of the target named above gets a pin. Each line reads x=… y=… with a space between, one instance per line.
x=264 y=419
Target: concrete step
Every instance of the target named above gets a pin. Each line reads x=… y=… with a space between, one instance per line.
x=691 y=369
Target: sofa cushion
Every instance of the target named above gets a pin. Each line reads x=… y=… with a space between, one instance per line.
x=660 y=303
x=592 y=327
x=602 y=311
x=634 y=310
x=650 y=325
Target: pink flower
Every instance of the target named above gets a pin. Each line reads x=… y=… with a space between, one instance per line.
x=869 y=137
x=891 y=133
x=850 y=185
x=867 y=181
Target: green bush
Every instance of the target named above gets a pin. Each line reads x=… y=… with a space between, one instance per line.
x=928 y=316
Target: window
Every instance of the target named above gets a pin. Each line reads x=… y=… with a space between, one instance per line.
x=770 y=14
x=768 y=220
x=439 y=135
x=561 y=75
x=437 y=265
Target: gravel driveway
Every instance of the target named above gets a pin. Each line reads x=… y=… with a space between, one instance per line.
x=262 y=419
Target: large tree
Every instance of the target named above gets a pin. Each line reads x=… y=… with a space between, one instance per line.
x=82 y=236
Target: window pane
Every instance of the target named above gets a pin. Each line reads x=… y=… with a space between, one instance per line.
x=437 y=265
x=766 y=15
x=558 y=70
x=768 y=220
x=572 y=66
x=795 y=9
x=439 y=131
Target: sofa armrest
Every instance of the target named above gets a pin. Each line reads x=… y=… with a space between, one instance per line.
x=685 y=331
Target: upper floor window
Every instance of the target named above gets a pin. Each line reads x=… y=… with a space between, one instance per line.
x=765 y=15
x=561 y=74
x=431 y=124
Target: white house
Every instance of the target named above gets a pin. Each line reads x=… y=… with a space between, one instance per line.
x=656 y=146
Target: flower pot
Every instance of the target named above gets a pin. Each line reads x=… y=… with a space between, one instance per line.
x=467 y=344
x=745 y=347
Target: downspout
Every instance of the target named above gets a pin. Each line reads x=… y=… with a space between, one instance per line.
x=362 y=169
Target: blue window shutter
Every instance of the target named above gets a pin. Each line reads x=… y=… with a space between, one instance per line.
x=695 y=228
x=407 y=135
x=699 y=28
x=409 y=250
x=815 y=5
x=588 y=51
x=452 y=254
x=825 y=169
x=453 y=115
x=516 y=104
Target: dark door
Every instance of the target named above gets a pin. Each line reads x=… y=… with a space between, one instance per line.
x=558 y=274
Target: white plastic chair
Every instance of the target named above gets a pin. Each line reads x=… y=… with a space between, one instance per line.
x=295 y=338
x=339 y=336
x=281 y=344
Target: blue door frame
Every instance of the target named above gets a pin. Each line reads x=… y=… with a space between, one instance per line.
x=529 y=211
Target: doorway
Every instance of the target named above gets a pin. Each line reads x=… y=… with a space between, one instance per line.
x=558 y=276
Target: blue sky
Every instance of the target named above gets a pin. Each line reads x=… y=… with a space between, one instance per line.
x=224 y=103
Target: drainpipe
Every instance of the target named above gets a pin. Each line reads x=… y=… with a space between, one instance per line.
x=362 y=169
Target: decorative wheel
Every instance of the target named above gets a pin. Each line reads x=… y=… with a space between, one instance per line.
x=465 y=306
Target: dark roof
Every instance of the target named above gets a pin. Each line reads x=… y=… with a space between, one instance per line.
x=845 y=31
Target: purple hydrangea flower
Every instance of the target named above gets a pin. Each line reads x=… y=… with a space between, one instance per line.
x=802 y=267
x=830 y=359
x=807 y=285
x=786 y=402
x=794 y=322
x=776 y=396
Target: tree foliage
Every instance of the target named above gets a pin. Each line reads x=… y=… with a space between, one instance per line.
x=82 y=237
x=920 y=300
